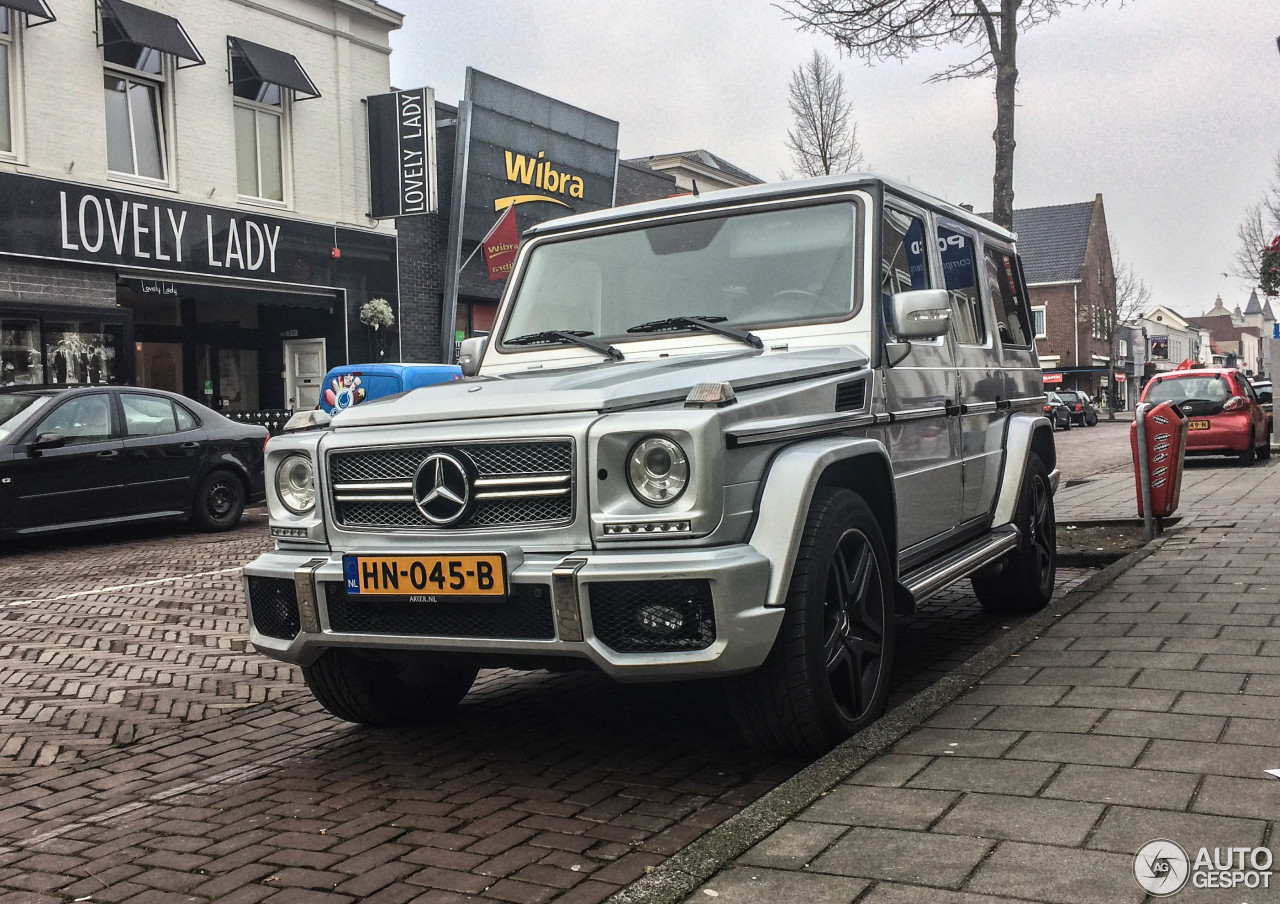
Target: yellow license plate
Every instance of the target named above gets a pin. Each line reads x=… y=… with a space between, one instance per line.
x=1197 y=425
x=427 y=577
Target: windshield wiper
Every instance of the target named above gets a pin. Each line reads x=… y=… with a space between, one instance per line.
x=709 y=322
x=567 y=337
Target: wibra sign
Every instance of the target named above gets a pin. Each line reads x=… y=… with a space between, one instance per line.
x=517 y=148
x=63 y=220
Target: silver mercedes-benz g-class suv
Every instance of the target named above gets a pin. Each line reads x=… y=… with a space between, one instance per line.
x=727 y=435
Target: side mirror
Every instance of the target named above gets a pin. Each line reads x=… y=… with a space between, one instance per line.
x=47 y=441
x=471 y=353
x=920 y=313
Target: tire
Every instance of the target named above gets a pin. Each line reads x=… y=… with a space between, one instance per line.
x=1248 y=457
x=219 y=502
x=379 y=693
x=1264 y=451
x=1067 y=425
x=827 y=676
x=1023 y=581
x=1091 y=421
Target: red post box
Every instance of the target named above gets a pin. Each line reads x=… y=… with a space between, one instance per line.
x=1163 y=443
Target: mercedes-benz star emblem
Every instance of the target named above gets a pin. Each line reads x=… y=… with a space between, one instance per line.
x=441 y=488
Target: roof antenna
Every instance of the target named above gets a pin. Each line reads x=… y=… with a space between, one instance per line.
x=695 y=187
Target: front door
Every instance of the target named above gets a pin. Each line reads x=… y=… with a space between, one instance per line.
x=920 y=394
x=304 y=369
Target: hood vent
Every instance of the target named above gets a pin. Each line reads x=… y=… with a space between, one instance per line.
x=851 y=396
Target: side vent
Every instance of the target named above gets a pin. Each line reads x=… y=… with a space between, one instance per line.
x=851 y=396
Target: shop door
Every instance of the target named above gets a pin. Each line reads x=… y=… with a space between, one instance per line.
x=304 y=369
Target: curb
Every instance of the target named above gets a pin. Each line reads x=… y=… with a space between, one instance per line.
x=679 y=875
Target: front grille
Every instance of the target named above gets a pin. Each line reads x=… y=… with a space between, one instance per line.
x=525 y=615
x=513 y=484
x=653 y=616
x=273 y=605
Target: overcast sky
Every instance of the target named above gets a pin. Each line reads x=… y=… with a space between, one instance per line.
x=1168 y=108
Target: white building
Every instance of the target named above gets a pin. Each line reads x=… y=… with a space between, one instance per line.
x=184 y=193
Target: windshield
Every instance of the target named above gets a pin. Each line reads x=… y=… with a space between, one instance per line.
x=753 y=269
x=14 y=408
x=1212 y=389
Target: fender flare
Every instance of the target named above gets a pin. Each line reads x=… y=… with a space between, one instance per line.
x=1025 y=433
x=783 y=506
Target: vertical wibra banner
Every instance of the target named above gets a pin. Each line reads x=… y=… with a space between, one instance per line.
x=402 y=153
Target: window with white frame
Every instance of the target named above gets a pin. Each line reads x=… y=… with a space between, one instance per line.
x=134 y=81
x=1037 y=319
x=8 y=26
x=261 y=114
x=1124 y=348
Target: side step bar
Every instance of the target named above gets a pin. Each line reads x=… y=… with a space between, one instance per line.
x=923 y=583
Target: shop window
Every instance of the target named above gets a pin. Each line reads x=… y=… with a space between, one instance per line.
x=260 y=114
x=77 y=352
x=84 y=419
x=134 y=88
x=7 y=28
x=21 y=362
x=159 y=365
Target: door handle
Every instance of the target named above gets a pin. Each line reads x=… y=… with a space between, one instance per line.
x=190 y=446
x=108 y=454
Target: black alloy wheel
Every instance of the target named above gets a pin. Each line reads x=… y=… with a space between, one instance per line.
x=219 y=501
x=1023 y=581
x=827 y=675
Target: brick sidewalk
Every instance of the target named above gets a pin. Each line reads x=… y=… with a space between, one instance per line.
x=1148 y=711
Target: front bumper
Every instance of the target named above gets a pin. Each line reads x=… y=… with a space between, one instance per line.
x=553 y=593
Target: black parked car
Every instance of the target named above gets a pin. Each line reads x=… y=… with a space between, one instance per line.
x=1081 y=406
x=1056 y=410
x=75 y=457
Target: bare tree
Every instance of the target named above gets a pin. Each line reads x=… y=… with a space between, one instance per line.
x=1132 y=298
x=893 y=29
x=1261 y=224
x=824 y=139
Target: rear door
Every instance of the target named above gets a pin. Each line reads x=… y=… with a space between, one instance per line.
x=81 y=480
x=920 y=390
x=163 y=446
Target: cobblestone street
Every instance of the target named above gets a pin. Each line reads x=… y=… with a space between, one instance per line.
x=146 y=755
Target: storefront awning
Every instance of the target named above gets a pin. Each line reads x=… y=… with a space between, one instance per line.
x=35 y=9
x=148 y=28
x=266 y=64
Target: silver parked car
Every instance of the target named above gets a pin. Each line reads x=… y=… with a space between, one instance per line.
x=729 y=435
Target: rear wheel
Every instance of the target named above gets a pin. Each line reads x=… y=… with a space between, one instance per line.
x=219 y=502
x=1023 y=580
x=1091 y=420
x=377 y=692
x=827 y=676
x=1264 y=451
x=1248 y=456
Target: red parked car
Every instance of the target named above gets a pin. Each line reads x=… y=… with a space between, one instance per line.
x=1224 y=413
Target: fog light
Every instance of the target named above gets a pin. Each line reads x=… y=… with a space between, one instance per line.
x=661 y=621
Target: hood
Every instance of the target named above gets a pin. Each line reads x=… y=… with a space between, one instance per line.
x=599 y=388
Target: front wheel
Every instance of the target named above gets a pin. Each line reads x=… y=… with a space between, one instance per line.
x=219 y=502
x=1023 y=581
x=372 y=691
x=827 y=676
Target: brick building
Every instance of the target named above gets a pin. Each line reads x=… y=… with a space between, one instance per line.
x=184 y=194
x=1066 y=256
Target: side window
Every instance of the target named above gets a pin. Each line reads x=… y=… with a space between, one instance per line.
x=147 y=415
x=903 y=256
x=185 y=419
x=86 y=419
x=960 y=271
x=1010 y=306
x=7 y=105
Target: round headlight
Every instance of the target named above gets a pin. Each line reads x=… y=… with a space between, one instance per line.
x=296 y=484
x=658 y=470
